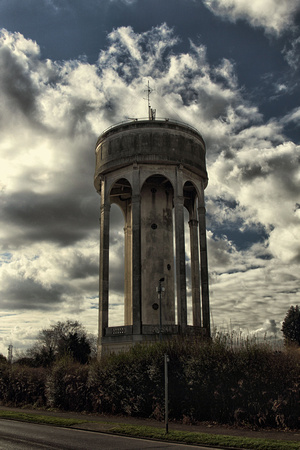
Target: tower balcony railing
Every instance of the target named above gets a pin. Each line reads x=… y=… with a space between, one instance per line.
x=173 y=329
x=118 y=331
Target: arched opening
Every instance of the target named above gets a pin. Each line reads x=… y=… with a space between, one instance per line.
x=187 y=248
x=120 y=244
x=116 y=265
x=192 y=254
x=157 y=250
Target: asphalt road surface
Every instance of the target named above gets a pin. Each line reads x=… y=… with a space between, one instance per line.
x=24 y=436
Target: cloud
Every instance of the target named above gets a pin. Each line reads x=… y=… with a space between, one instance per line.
x=291 y=53
x=127 y=2
x=269 y=326
x=33 y=217
x=293 y=116
x=33 y=294
x=263 y=181
x=82 y=266
x=274 y=16
x=18 y=89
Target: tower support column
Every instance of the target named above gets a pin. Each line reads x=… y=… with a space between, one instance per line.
x=104 y=266
x=195 y=272
x=136 y=252
x=128 y=272
x=204 y=269
x=180 y=254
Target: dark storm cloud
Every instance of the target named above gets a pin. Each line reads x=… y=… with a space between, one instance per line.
x=219 y=253
x=252 y=172
x=116 y=264
x=82 y=267
x=16 y=84
x=76 y=122
x=26 y=293
x=116 y=284
x=285 y=169
x=52 y=218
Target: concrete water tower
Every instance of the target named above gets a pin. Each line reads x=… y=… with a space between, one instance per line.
x=153 y=170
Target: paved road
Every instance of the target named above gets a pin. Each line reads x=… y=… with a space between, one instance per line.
x=27 y=436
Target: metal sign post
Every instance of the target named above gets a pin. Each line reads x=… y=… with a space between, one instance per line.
x=166 y=358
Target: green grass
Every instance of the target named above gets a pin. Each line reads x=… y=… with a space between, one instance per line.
x=221 y=441
x=205 y=439
x=37 y=418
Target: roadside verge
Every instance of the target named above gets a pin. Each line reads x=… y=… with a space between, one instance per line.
x=149 y=432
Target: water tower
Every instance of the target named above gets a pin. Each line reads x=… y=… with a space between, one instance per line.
x=153 y=170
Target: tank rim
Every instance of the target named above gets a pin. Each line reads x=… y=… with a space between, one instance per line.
x=142 y=121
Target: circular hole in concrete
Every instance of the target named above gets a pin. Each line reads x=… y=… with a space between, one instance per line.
x=154 y=226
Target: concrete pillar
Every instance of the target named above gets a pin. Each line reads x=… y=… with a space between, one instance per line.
x=136 y=251
x=104 y=264
x=195 y=272
x=128 y=271
x=180 y=253
x=204 y=269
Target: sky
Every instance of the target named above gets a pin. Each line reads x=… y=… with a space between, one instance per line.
x=68 y=70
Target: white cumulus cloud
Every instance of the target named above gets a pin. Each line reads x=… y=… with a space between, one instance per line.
x=275 y=16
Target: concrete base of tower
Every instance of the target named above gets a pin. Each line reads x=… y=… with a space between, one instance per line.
x=121 y=339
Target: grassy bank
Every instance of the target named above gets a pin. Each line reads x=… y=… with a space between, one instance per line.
x=40 y=419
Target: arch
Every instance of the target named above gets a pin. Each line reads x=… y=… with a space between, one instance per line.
x=116 y=276
x=152 y=172
x=190 y=194
x=158 y=181
x=120 y=194
x=197 y=182
x=109 y=181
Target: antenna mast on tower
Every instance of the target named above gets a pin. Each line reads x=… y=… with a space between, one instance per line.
x=151 y=112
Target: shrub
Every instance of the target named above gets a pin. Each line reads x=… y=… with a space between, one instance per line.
x=208 y=381
x=127 y=383
x=67 y=386
x=21 y=385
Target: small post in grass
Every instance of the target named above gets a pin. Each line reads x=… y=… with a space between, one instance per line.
x=166 y=358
